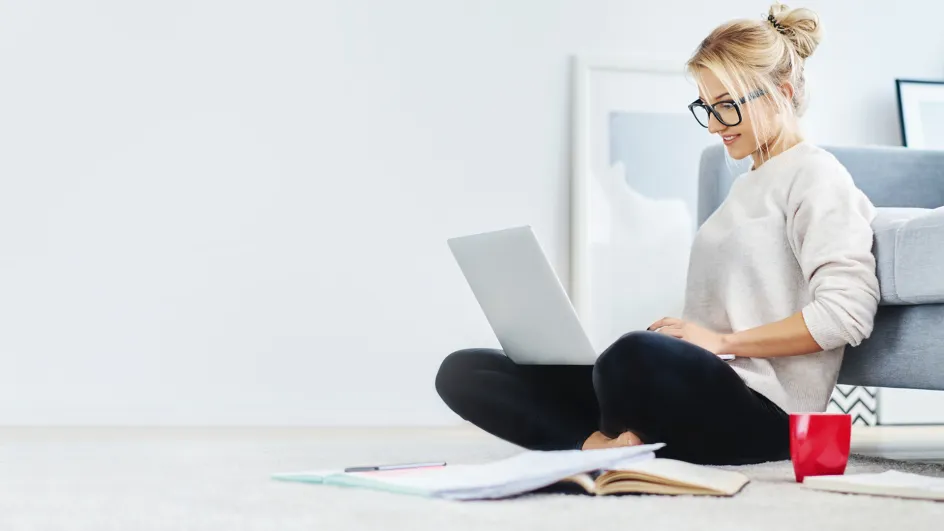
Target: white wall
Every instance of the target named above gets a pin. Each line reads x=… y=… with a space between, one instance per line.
x=234 y=212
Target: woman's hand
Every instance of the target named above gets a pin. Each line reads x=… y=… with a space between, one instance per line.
x=691 y=332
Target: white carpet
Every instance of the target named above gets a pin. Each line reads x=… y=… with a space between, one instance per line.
x=189 y=479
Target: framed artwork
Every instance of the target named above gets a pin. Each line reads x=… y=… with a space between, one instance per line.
x=921 y=113
x=636 y=150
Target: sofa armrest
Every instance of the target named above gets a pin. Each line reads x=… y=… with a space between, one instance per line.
x=919 y=259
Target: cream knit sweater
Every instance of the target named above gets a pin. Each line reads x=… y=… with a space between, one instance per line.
x=793 y=235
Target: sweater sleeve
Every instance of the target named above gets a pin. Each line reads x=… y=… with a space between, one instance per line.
x=831 y=235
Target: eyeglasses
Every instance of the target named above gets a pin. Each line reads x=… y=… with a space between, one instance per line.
x=726 y=112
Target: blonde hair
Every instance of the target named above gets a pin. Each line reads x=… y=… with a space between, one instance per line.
x=762 y=54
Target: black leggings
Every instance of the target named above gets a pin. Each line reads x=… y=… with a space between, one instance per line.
x=661 y=388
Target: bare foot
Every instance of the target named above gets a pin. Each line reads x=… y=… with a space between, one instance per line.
x=598 y=441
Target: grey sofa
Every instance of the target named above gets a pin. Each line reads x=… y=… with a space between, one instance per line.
x=906 y=348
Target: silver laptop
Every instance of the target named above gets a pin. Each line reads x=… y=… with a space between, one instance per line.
x=523 y=298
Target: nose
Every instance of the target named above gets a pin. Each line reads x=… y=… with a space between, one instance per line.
x=715 y=126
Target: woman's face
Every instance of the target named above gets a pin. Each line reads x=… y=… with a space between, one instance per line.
x=740 y=140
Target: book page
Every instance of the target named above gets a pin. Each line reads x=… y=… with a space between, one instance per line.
x=647 y=487
x=672 y=472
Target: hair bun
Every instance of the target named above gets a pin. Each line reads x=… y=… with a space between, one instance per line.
x=799 y=25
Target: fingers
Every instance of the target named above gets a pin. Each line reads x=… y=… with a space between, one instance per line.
x=674 y=331
x=665 y=321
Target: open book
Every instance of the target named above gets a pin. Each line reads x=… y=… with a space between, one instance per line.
x=611 y=471
x=890 y=483
x=662 y=476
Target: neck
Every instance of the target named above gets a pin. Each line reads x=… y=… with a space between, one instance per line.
x=768 y=150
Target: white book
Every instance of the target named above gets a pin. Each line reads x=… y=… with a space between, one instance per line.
x=890 y=483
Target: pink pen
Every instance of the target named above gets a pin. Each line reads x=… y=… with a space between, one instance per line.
x=377 y=468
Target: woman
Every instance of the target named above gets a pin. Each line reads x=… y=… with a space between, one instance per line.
x=781 y=275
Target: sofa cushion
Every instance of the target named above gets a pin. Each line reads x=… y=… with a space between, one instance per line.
x=904 y=350
x=909 y=254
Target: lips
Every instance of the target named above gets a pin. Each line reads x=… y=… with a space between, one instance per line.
x=729 y=139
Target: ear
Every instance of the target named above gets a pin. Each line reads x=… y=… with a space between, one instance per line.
x=787 y=90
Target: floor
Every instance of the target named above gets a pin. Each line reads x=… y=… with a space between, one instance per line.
x=201 y=479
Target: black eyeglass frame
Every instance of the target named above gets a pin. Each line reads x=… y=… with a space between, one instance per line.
x=711 y=108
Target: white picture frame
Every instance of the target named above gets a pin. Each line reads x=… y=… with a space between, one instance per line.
x=634 y=199
x=921 y=113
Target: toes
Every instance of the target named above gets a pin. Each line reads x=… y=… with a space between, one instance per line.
x=629 y=439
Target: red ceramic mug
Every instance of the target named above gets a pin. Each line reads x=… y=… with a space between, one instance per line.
x=819 y=443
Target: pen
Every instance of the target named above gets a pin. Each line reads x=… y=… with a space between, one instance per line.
x=377 y=468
